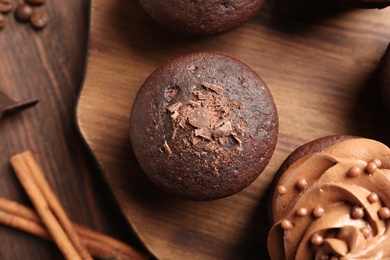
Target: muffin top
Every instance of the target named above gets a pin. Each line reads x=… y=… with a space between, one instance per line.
x=201 y=17
x=203 y=126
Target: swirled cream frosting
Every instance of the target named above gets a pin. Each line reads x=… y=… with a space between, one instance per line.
x=334 y=204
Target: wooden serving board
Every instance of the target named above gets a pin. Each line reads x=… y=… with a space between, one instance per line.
x=320 y=64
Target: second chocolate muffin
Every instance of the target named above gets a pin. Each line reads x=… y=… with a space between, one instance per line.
x=203 y=126
x=385 y=79
x=201 y=17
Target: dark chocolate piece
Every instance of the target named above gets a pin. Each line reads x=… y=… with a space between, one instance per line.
x=8 y=106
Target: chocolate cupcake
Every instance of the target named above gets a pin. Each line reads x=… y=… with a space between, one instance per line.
x=332 y=202
x=366 y=3
x=385 y=79
x=201 y=17
x=203 y=126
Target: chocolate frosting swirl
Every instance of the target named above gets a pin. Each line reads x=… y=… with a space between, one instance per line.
x=334 y=204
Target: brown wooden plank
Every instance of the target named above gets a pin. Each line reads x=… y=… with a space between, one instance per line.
x=49 y=65
x=320 y=64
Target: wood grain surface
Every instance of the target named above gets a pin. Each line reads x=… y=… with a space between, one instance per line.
x=49 y=65
x=320 y=63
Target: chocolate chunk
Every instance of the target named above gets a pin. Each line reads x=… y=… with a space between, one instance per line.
x=8 y=106
x=226 y=128
x=198 y=117
x=174 y=107
x=217 y=89
x=205 y=133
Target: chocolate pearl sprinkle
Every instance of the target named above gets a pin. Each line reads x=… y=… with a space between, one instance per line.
x=317 y=240
x=282 y=189
x=286 y=224
x=301 y=184
x=366 y=232
x=355 y=171
x=302 y=212
x=373 y=197
x=39 y=19
x=23 y=12
x=371 y=167
x=318 y=212
x=357 y=212
x=384 y=213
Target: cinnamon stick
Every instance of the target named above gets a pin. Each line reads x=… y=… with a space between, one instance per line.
x=54 y=204
x=18 y=209
x=101 y=246
x=23 y=224
x=23 y=218
x=42 y=207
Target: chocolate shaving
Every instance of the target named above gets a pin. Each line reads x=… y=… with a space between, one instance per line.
x=194 y=140
x=197 y=153
x=198 y=117
x=204 y=133
x=200 y=95
x=174 y=107
x=174 y=132
x=217 y=89
x=194 y=104
x=8 y=106
x=209 y=147
x=237 y=139
x=209 y=127
x=186 y=142
x=167 y=149
x=239 y=130
x=222 y=140
x=174 y=110
x=226 y=128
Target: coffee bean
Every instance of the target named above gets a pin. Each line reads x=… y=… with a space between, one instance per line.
x=6 y=6
x=3 y=21
x=39 y=19
x=23 y=12
x=35 y=2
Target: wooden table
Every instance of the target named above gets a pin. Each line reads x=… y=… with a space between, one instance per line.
x=49 y=65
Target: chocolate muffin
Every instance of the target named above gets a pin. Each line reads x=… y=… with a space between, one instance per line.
x=331 y=199
x=203 y=126
x=385 y=79
x=366 y=3
x=201 y=17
